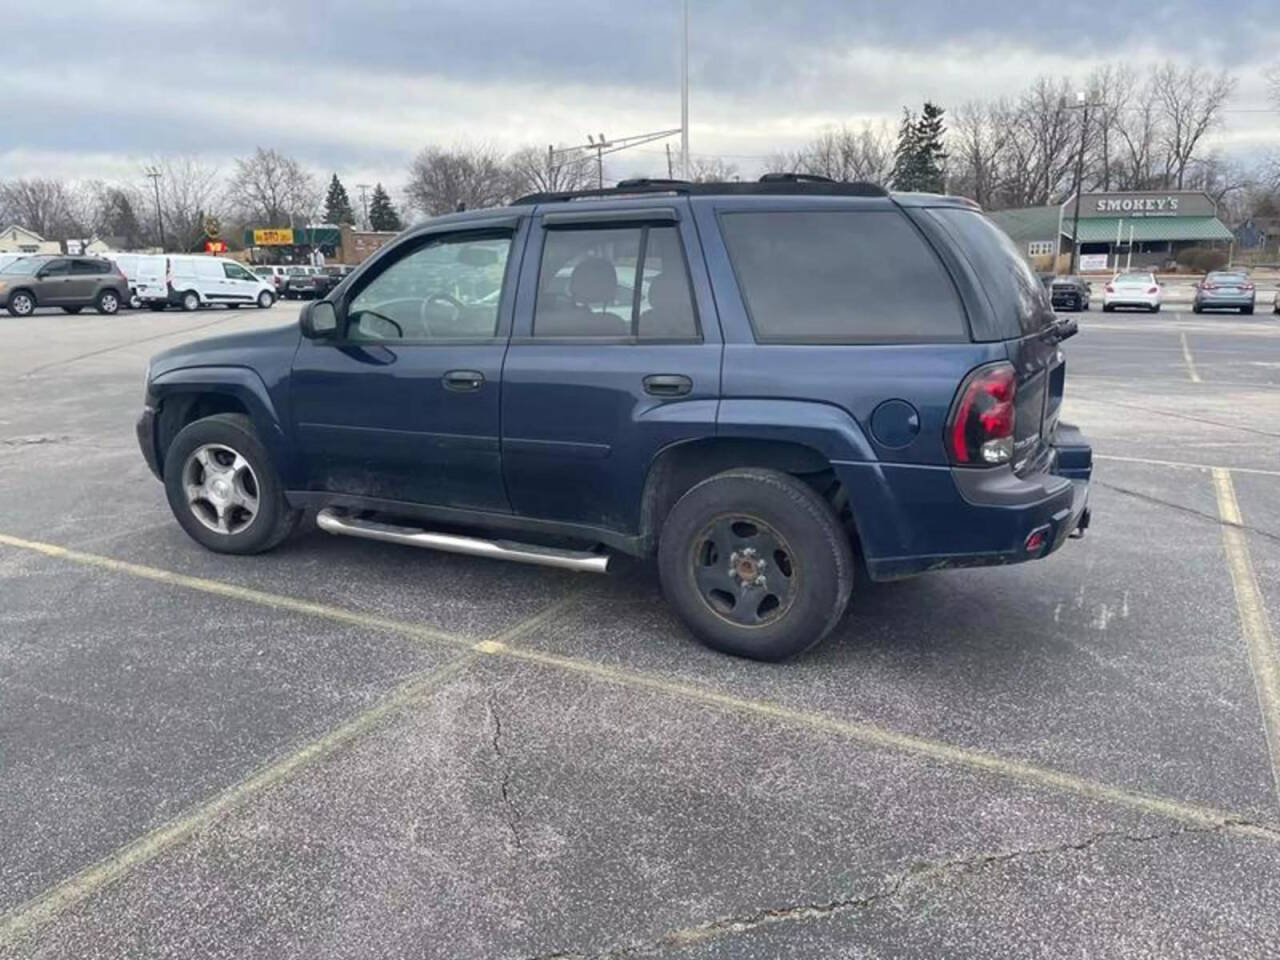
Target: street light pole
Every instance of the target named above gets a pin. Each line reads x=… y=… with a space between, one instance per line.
x=1083 y=101
x=155 y=176
x=684 y=95
x=364 y=202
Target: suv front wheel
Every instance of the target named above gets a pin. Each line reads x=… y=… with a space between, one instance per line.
x=756 y=563
x=223 y=489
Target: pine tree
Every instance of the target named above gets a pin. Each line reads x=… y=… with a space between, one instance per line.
x=382 y=215
x=906 y=157
x=931 y=154
x=337 y=205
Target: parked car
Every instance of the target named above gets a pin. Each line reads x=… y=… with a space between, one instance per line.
x=1225 y=289
x=273 y=274
x=131 y=265
x=1136 y=288
x=1070 y=293
x=798 y=372
x=71 y=283
x=330 y=276
x=192 y=282
x=300 y=282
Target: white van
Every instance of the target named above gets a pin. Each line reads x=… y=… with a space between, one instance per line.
x=192 y=282
x=131 y=265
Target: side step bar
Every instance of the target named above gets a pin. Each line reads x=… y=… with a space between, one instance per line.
x=335 y=521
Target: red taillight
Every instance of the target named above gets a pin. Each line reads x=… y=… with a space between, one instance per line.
x=1110 y=288
x=980 y=431
x=1246 y=286
x=1208 y=286
x=1153 y=289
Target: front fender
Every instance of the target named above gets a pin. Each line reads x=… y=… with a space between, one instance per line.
x=239 y=383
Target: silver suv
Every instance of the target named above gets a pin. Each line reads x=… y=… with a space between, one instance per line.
x=71 y=283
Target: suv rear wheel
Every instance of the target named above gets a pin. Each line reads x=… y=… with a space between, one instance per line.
x=108 y=302
x=756 y=563
x=223 y=489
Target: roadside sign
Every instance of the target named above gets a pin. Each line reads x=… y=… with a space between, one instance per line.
x=1091 y=262
x=273 y=238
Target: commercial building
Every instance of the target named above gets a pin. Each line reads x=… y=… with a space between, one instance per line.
x=1117 y=230
x=338 y=244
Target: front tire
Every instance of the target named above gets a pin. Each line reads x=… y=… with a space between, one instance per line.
x=21 y=304
x=265 y=300
x=190 y=301
x=108 y=303
x=756 y=564
x=223 y=489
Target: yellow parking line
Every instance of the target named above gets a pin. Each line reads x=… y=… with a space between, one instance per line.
x=83 y=884
x=1186 y=355
x=1264 y=659
x=1258 y=471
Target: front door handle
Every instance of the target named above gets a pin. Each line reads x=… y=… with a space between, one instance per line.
x=667 y=384
x=463 y=380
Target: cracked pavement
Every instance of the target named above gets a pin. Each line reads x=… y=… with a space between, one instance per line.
x=1060 y=759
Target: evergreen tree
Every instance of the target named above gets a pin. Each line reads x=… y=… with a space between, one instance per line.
x=906 y=156
x=337 y=205
x=920 y=158
x=121 y=219
x=382 y=215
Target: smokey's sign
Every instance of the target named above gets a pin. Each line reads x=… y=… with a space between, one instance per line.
x=1147 y=204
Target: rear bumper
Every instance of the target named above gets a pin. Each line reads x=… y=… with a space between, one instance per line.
x=948 y=518
x=1219 y=300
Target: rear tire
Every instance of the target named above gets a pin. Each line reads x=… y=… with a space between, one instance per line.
x=1155 y=309
x=72 y=309
x=108 y=303
x=1247 y=311
x=1196 y=308
x=156 y=306
x=190 y=301
x=233 y=434
x=1108 y=308
x=756 y=564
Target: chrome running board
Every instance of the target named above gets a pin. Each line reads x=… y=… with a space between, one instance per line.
x=335 y=521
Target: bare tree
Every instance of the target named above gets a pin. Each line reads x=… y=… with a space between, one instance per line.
x=39 y=204
x=273 y=188
x=444 y=180
x=190 y=190
x=711 y=170
x=549 y=171
x=977 y=150
x=844 y=153
x=1053 y=134
x=1190 y=102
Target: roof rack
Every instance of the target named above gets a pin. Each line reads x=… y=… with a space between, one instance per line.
x=769 y=184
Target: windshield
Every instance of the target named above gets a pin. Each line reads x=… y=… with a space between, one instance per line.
x=26 y=266
x=1136 y=278
x=296 y=271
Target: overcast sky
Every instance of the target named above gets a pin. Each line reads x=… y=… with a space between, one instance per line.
x=97 y=86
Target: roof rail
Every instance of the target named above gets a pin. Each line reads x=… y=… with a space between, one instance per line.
x=802 y=184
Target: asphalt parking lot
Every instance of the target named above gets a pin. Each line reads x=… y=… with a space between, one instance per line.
x=350 y=749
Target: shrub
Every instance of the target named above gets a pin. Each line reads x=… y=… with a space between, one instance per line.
x=1202 y=259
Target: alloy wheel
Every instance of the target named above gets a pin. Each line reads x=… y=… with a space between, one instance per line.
x=222 y=489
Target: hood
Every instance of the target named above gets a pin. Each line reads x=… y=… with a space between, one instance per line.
x=247 y=349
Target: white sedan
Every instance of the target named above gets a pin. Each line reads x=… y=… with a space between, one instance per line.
x=1136 y=289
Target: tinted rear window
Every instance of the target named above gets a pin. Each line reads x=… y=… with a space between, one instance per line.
x=1018 y=299
x=858 y=276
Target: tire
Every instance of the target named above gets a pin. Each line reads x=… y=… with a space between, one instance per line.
x=1155 y=309
x=793 y=529
x=265 y=300
x=233 y=306
x=21 y=303
x=156 y=306
x=1196 y=308
x=108 y=303
x=190 y=301
x=272 y=519
x=135 y=301
x=72 y=309
x=1108 y=308
x=1247 y=311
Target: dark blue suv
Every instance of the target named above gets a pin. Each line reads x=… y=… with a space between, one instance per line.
x=753 y=383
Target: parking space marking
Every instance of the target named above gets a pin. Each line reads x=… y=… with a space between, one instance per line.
x=47 y=905
x=81 y=885
x=876 y=736
x=1264 y=659
x=1184 y=465
x=1186 y=355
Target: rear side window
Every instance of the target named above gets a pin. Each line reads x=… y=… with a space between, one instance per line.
x=1019 y=301
x=861 y=276
x=618 y=282
x=87 y=267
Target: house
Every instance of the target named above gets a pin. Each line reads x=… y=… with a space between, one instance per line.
x=16 y=239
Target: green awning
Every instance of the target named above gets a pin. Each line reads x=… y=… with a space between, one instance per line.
x=1105 y=229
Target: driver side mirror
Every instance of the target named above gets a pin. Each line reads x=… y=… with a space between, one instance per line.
x=318 y=320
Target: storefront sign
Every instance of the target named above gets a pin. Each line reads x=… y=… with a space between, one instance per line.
x=1186 y=203
x=273 y=238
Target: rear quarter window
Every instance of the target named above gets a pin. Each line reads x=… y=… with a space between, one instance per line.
x=847 y=276
x=1019 y=301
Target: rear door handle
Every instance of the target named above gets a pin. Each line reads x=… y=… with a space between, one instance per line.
x=463 y=380
x=667 y=384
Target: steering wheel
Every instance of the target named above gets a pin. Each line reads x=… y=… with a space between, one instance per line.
x=383 y=319
x=439 y=298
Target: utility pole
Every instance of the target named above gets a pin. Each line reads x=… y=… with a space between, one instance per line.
x=155 y=176
x=684 y=95
x=671 y=174
x=602 y=146
x=364 y=202
x=1082 y=102
x=599 y=146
